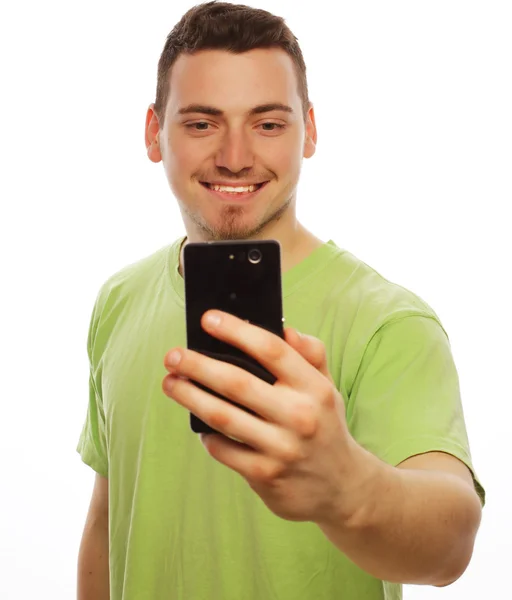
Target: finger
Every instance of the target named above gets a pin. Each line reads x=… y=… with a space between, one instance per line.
x=292 y=337
x=267 y=348
x=230 y=381
x=252 y=465
x=310 y=348
x=223 y=416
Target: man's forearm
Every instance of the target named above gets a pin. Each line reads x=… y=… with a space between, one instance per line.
x=93 y=563
x=415 y=527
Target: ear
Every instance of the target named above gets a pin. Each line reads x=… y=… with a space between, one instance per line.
x=152 y=134
x=311 y=133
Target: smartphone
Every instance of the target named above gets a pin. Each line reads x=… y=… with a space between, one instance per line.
x=242 y=278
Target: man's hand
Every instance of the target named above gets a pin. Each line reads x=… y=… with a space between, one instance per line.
x=295 y=451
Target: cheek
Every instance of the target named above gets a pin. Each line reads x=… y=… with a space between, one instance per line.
x=284 y=155
x=286 y=164
x=184 y=159
x=181 y=152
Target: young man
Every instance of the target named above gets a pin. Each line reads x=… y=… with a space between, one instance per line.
x=354 y=475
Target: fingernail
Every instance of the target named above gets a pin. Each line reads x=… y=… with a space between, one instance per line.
x=212 y=319
x=174 y=358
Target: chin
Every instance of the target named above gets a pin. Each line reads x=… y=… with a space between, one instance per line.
x=230 y=232
x=231 y=223
x=236 y=223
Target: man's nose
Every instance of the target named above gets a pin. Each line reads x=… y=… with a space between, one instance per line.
x=235 y=152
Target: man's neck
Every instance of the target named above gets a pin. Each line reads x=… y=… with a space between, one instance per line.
x=297 y=247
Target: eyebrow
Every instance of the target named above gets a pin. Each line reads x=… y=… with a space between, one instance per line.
x=216 y=112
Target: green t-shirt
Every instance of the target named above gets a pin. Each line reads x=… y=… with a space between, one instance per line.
x=183 y=526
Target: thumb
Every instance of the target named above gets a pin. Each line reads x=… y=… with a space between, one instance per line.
x=310 y=348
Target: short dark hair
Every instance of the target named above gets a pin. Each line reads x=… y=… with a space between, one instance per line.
x=235 y=28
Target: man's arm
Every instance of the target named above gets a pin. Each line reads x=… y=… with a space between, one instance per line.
x=93 y=558
x=296 y=451
x=417 y=523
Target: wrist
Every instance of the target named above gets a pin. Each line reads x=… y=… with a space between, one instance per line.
x=361 y=486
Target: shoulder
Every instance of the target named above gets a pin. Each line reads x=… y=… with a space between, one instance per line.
x=126 y=286
x=373 y=299
x=362 y=311
x=135 y=277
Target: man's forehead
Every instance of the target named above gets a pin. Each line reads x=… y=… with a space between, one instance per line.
x=219 y=79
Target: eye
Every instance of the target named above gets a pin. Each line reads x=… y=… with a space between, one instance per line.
x=272 y=126
x=199 y=126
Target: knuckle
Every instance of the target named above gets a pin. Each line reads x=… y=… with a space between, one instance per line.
x=290 y=452
x=328 y=396
x=273 y=349
x=241 y=386
x=219 y=419
x=318 y=351
x=305 y=420
x=265 y=472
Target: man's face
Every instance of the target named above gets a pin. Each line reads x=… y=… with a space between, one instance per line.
x=233 y=120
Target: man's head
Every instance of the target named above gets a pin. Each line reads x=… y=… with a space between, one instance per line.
x=232 y=108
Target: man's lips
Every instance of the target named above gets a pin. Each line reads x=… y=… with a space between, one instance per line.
x=210 y=184
x=234 y=196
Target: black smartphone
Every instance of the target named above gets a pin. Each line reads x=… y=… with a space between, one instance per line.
x=242 y=278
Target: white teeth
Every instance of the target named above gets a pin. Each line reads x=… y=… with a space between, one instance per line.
x=238 y=190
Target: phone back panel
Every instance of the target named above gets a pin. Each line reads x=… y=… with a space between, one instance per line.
x=227 y=276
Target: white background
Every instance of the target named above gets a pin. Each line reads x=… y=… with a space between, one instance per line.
x=412 y=174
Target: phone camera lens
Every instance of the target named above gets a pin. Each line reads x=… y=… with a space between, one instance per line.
x=254 y=256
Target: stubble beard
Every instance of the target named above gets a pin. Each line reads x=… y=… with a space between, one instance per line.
x=232 y=227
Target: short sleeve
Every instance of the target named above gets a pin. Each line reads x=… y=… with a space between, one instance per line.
x=405 y=399
x=92 y=444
